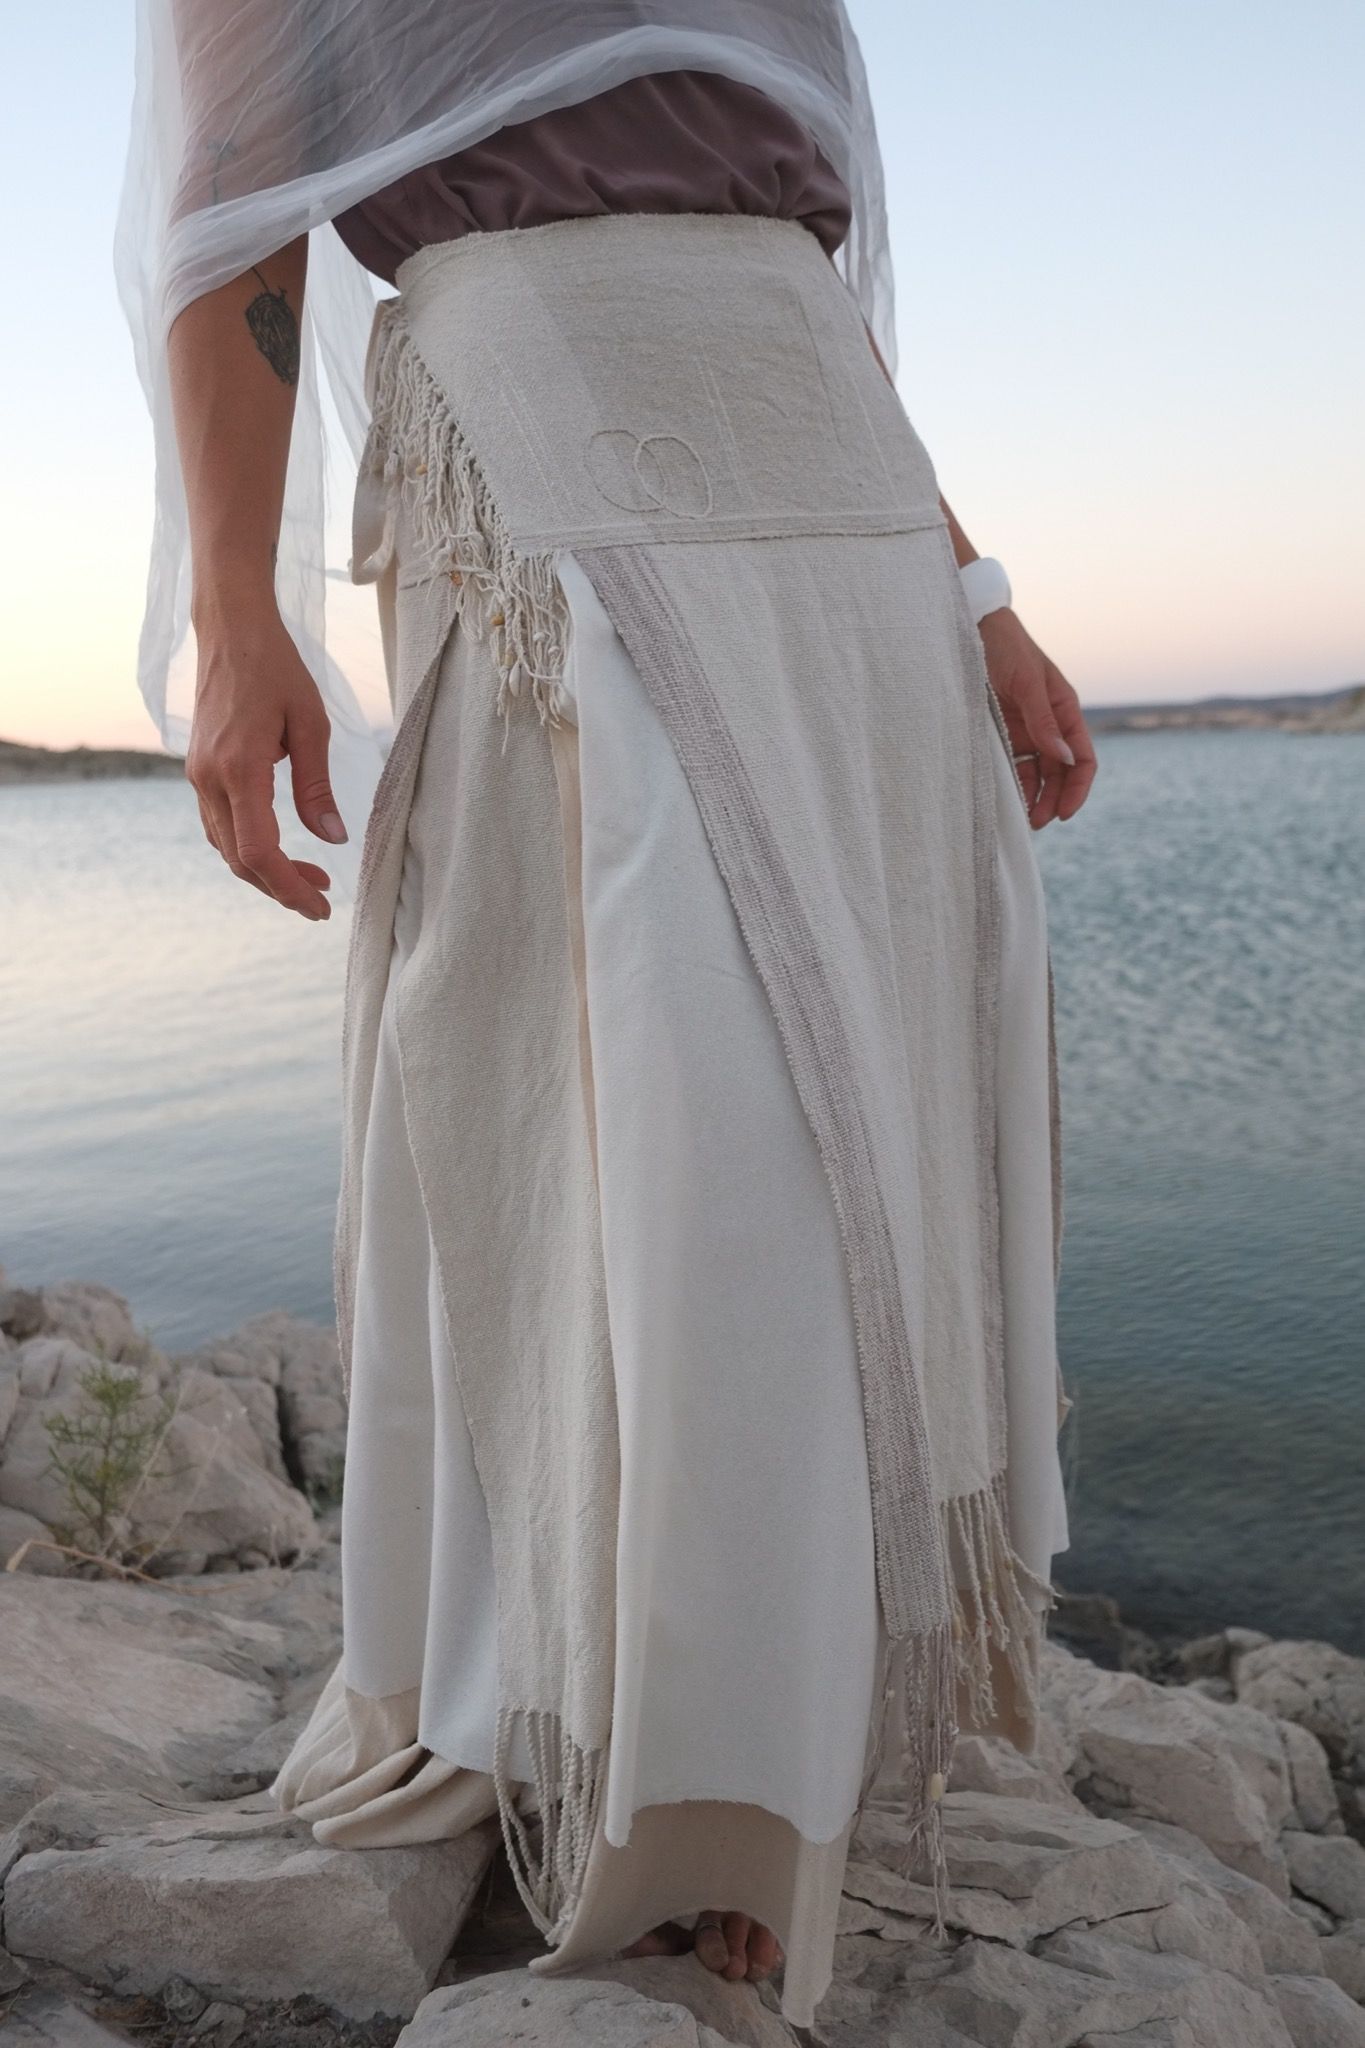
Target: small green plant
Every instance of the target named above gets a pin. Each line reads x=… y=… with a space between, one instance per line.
x=104 y=1450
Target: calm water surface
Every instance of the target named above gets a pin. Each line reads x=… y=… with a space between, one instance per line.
x=168 y=1124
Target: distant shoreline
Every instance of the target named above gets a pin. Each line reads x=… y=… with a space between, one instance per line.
x=1323 y=711
x=21 y=764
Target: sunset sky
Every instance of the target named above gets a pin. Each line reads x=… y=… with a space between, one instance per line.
x=1131 y=305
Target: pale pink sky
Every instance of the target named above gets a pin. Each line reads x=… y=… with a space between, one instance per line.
x=1130 y=309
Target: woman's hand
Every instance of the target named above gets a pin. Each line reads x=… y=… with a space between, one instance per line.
x=255 y=703
x=1042 y=716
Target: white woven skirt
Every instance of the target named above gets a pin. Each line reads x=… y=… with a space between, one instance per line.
x=747 y=1624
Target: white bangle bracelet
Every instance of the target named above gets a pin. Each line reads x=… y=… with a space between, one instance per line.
x=987 y=586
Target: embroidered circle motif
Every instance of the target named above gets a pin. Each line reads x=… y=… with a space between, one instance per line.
x=650 y=473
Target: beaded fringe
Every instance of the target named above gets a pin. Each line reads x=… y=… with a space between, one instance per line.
x=932 y=1673
x=935 y=1672
x=513 y=601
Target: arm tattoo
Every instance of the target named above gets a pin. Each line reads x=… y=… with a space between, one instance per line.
x=275 y=331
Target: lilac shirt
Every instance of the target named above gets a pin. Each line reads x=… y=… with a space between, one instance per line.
x=672 y=142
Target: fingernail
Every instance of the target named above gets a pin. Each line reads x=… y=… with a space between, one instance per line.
x=1064 y=750
x=332 y=827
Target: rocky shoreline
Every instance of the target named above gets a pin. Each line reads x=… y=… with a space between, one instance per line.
x=1181 y=1864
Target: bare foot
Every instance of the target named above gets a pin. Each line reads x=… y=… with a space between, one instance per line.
x=735 y=1946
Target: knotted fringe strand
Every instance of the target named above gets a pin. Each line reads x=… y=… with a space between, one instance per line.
x=567 y=1782
x=936 y=1671
x=514 y=601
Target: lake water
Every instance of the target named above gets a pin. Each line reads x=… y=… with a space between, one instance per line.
x=168 y=1124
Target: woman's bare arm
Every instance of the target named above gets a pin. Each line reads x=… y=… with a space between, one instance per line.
x=234 y=360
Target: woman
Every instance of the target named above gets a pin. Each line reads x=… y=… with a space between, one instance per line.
x=697 y=1238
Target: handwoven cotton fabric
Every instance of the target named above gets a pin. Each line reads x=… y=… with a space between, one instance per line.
x=689 y=408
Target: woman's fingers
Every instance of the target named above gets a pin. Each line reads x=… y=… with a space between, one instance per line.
x=246 y=818
x=1042 y=715
x=250 y=791
x=1071 y=718
x=306 y=737
x=256 y=705
x=1057 y=729
x=216 y=814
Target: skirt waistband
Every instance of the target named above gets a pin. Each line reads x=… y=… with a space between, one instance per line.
x=653 y=377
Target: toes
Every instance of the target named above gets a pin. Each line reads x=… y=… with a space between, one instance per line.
x=737 y=1926
x=765 y=1952
x=735 y=1946
x=710 y=1944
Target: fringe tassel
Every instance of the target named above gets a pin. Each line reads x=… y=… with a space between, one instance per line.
x=988 y=1582
x=513 y=601
x=567 y=1782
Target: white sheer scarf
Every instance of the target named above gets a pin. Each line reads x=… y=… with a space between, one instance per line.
x=256 y=122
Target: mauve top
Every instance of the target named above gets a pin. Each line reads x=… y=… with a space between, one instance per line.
x=672 y=142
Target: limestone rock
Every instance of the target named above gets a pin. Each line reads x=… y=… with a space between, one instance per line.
x=1199 y=1924
x=1315 y=1685
x=1316 y=1807
x=1343 y=1958
x=1284 y=1940
x=987 y=1763
x=1329 y=1869
x=107 y=1685
x=736 y=2012
x=49 y=1364
x=1205 y=1657
x=1215 y=2005
x=43 y=2017
x=1213 y=1688
x=1218 y=1770
x=18 y=1528
x=552 y=2012
x=9 y=1395
x=1018 y=1868
x=1318 y=2013
x=1077 y=1988
x=261 y=1404
x=256 y=1764
x=248 y=1908
x=94 y=1318
x=21 y=1311
x=299 y=1361
x=250 y=1352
